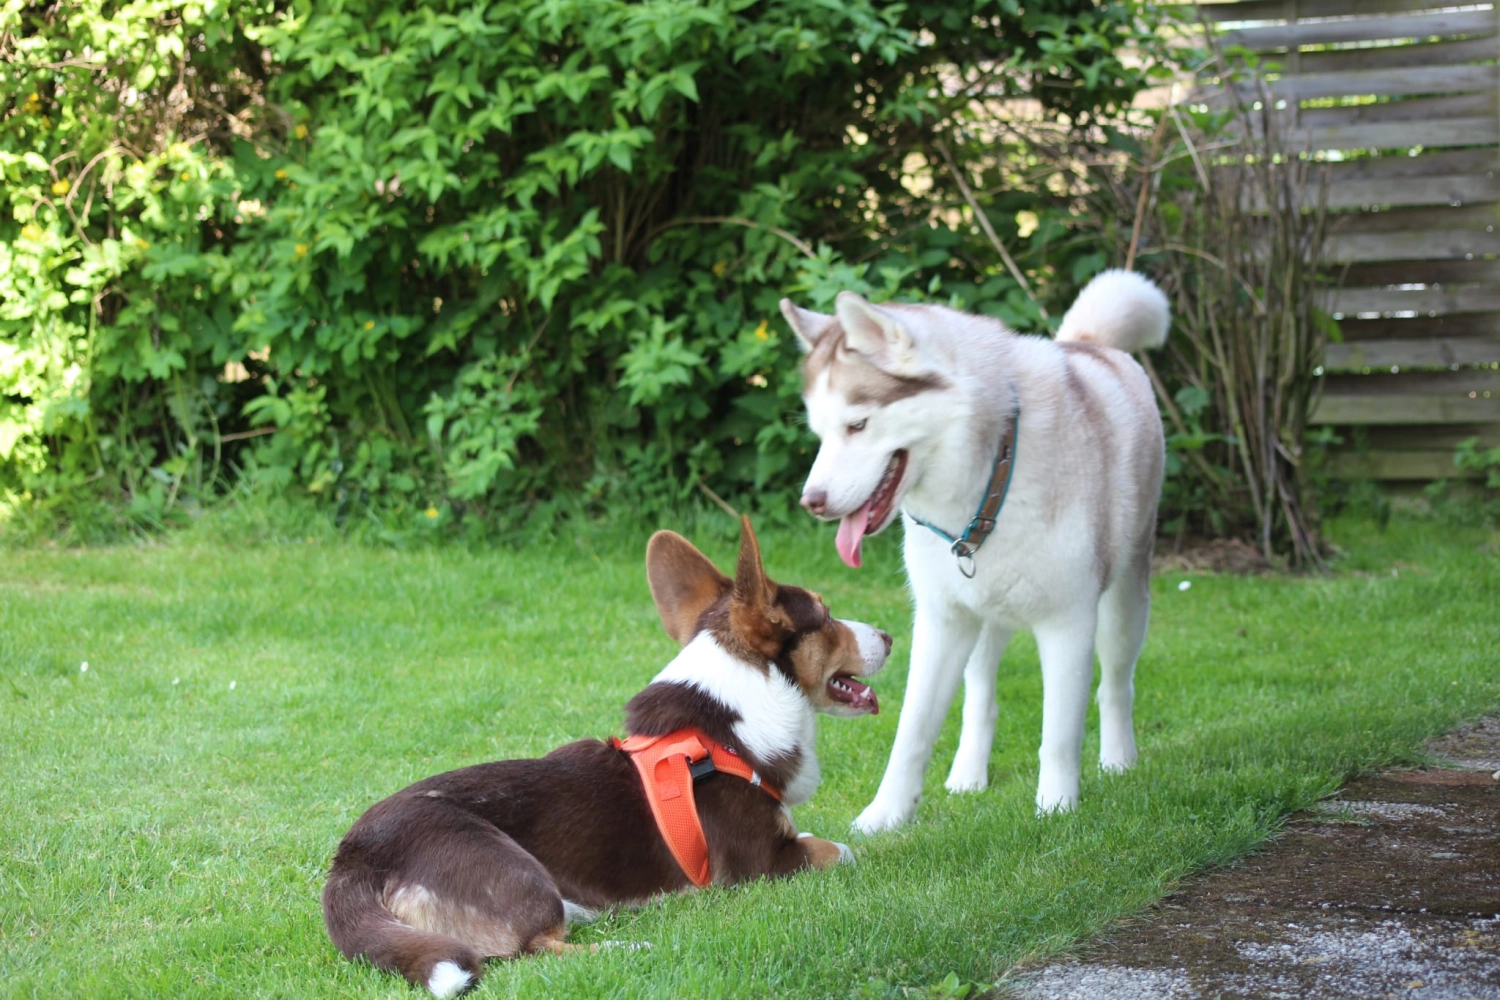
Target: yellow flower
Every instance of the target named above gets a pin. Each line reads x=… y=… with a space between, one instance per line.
x=761 y=332
x=46 y=124
x=432 y=513
x=300 y=131
x=186 y=176
x=61 y=186
x=33 y=102
x=143 y=244
x=369 y=324
x=300 y=249
x=30 y=232
x=720 y=266
x=281 y=175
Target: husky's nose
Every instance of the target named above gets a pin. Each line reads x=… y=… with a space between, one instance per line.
x=816 y=502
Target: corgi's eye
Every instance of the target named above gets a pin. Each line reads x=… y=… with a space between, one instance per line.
x=857 y=426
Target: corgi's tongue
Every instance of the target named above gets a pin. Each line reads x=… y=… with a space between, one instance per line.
x=851 y=534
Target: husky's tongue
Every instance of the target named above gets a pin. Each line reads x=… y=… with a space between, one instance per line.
x=851 y=534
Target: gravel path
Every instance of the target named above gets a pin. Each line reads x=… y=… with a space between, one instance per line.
x=1390 y=890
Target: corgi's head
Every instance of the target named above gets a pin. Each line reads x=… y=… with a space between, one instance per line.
x=758 y=659
x=768 y=627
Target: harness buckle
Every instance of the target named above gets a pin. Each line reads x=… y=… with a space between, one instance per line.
x=701 y=768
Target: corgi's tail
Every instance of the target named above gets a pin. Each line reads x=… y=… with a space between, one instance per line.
x=1120 y=309
x=362 y=927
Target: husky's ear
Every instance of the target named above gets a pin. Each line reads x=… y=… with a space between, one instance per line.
x=684 y=583
x=875 y=333
x=806 y=324
x=757 y=623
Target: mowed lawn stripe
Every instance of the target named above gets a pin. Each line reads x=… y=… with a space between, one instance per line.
x=163 y=832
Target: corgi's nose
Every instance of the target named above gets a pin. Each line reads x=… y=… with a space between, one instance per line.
x=816 y=502
x=885 y=637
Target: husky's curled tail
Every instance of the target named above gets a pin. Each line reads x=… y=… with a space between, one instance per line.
x=1119 y=309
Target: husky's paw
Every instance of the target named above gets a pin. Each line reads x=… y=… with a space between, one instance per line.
x=965 y=780
x=878 y=818
x=1051 y=805
x=1117 y=762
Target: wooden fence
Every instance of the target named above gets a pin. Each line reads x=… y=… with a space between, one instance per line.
x=1404 y=97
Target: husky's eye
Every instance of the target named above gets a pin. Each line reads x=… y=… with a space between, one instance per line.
x=857 y=426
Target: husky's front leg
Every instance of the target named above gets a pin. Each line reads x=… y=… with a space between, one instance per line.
x=1066 y=648
x=942 y=639
x=971 y=764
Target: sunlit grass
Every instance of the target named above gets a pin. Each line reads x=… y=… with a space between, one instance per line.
x=166 y=815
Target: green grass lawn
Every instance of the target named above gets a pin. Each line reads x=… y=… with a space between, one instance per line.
x=166 y=816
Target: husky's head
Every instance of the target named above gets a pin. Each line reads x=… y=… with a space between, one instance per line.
x=871 y=399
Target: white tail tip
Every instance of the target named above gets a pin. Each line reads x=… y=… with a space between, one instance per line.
x=448 y=980
x=1119 y=309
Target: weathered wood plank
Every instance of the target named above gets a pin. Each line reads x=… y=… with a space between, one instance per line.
x=1410 y=80
x=1476 y=49
x=1441 y=191
x=1412 y=191
x=1280 y=10
x=1353 y=356
x=1459 y=325
x=1431 y=245
x=1444 y=162
x=1480 y=216
x=1486 y=102
x=1360 y=29
x=1413 y=409
x=1428 y=301
x=1395 y=135
x=1397 y=466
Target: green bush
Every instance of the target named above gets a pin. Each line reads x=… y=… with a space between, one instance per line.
x=478 y=257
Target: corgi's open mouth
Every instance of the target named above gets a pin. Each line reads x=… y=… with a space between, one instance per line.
x=856 y=694
x=873 y=514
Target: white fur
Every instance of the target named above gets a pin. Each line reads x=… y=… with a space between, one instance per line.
x=573 y=913
x=775 y=718
x=872 y=648
x=1070 y=554
x=1120 y=309
x=448 y=979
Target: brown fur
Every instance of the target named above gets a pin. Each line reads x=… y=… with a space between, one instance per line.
x=874 y=386
x=476 y=863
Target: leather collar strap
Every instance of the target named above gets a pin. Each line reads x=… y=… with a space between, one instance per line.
x=964 y=546
x=668 y=765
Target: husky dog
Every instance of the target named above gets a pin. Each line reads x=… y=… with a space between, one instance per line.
x=1049 y=455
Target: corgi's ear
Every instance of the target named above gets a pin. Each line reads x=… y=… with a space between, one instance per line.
x=757 y=623
x=876 y=333
x=809 y=326
x=684 y=583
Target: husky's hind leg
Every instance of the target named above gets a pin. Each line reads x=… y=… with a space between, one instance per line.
x=1123 y=612
x=970 y=772
x=1066 y=649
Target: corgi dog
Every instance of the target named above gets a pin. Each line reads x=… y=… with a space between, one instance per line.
x=494 y=860
x=1028 y=471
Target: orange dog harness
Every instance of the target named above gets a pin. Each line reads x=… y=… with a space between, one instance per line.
x=668 y=765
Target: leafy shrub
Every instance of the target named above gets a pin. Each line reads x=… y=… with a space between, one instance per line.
x=487 y=255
